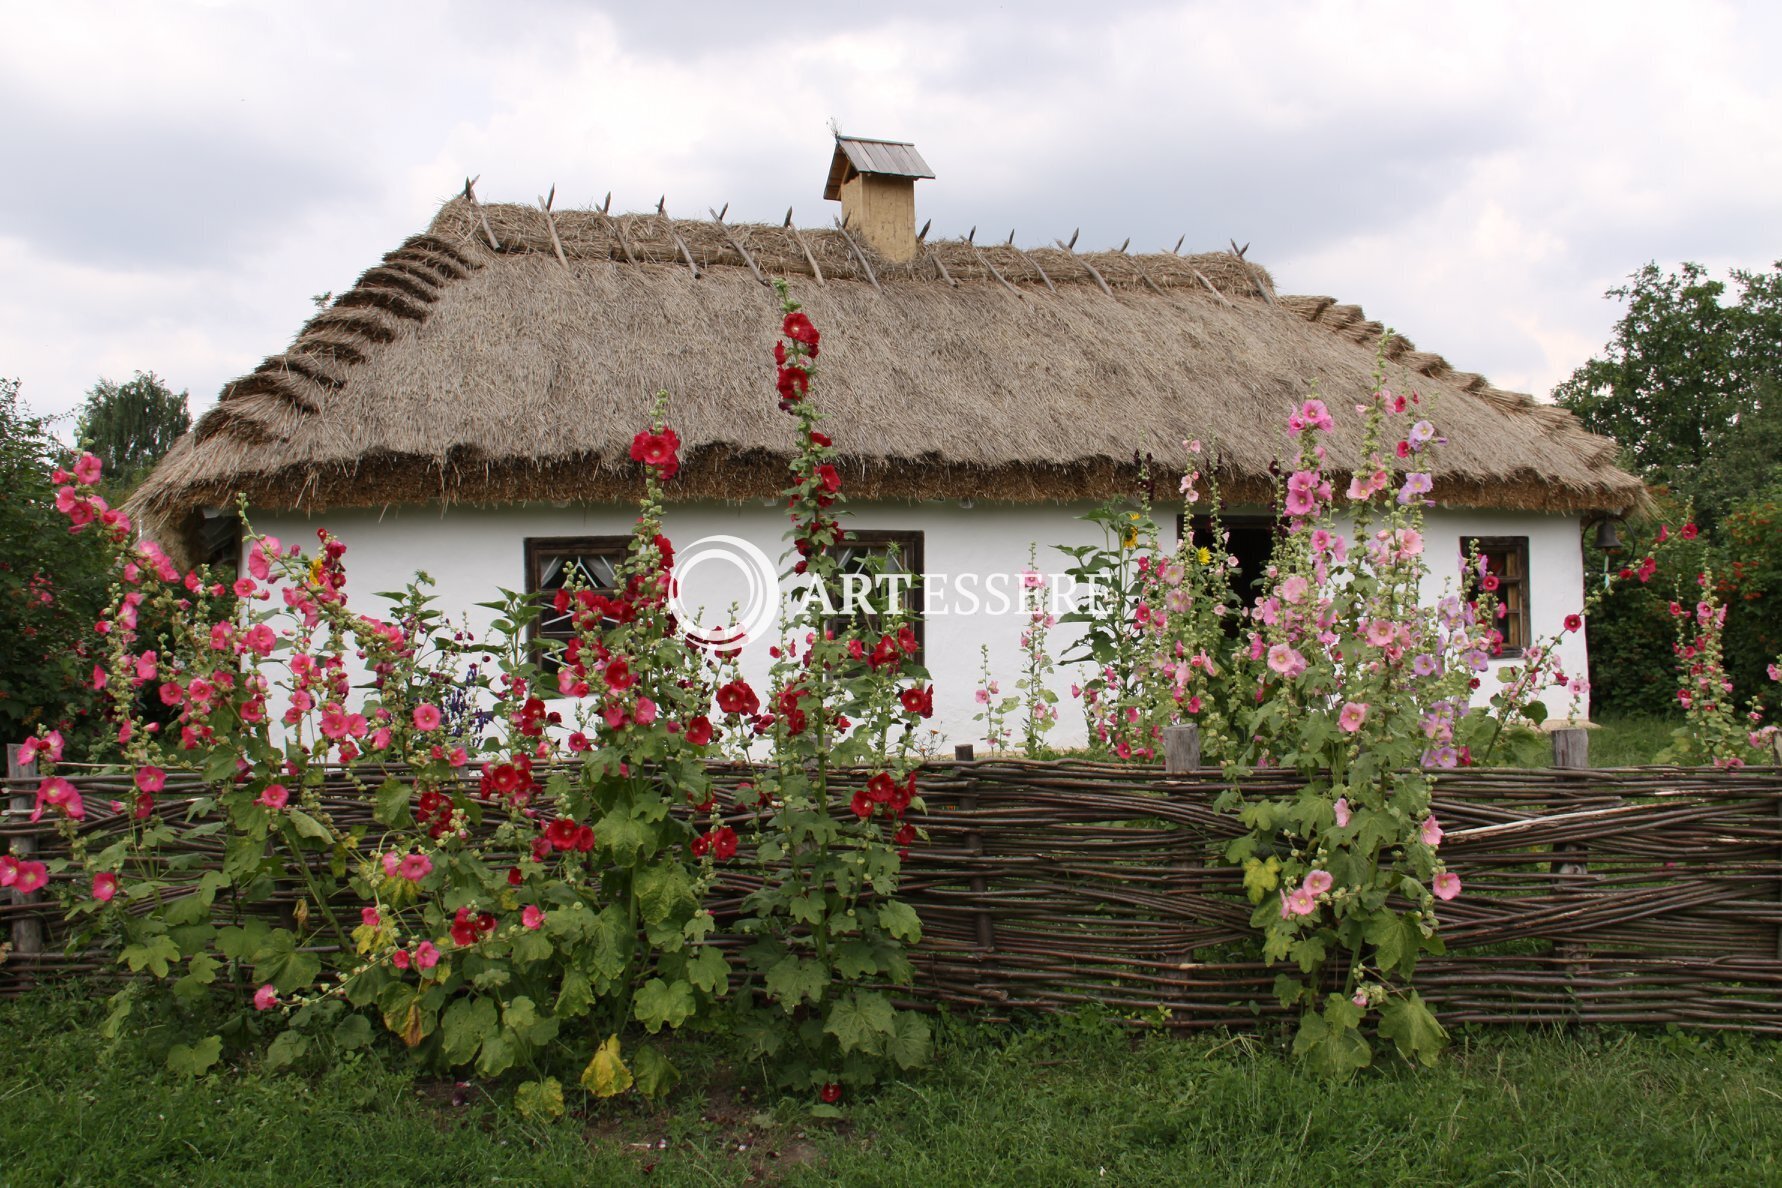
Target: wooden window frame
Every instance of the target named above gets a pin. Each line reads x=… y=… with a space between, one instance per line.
x=537 y=550
x=910 y=543
x=1513 y=590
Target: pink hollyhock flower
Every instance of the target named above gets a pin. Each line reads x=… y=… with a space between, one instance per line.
x=87 y=469
x=1319 y=881
x=646 y=711
x=1379 y=632
x=9 y=870
x=400 y=959
x=275 y=796
x=391 y=863
x=1301 y=902
x=1294 y=587
x=380 y=739
x=1314 y=414
x=415 y=867
x=150 y=779
x=370 y=917
x=1342 y=812
x=1415 y=483
x=1430 y=832
x=104 y=887
x=1284 y=660
x=1447 y=885
x=259 y=639
x=29 y=877
x=1352 y=715
x=266 y=997
x=532 y=916
x=426 y=716
x=1360 y=999
x=426 y=955
x=1420 y=434
x=1775 y=671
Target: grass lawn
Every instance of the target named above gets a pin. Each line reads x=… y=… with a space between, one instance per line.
x=1069 y=1102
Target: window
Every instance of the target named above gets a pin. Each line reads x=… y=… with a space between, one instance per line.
x=884 y=553
x=551 y=562
x=1506 y=560
x=1251 y=539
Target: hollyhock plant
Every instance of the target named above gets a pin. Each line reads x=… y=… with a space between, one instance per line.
x=1358 y=686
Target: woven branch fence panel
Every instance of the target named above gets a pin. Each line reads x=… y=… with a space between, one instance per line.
x=1641 y=895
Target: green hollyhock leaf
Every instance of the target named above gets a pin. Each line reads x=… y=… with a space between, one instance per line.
x=624 y=836
x=1413 y=1030
x=710 y=972
x=861 y=1021
x=1331 y=1049
x=900 y=920
x=910 y=1042
x=280 y=962
x=308 y=826
x=1261 y=877
x=498 y=1054
x=1396 y=939
x=540 y=1101
x=286 y=1050
x=654 y=1074
x=520 y=1014
x=156 y=954
x=791 y=980
x=606 y=1074
x=194 y=1060
x=353 y=1033
x=664 y=892
x=530 y=946
x=855 y=960
x=464 y=1027
x=240 y=944
x=807 y=909
x=575 y=996
x=390 y=804
x=659 y=1003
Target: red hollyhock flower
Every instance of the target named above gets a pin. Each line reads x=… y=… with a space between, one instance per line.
x=905 y=834
x=699 y=731
x=515 y=876
x=701 y=845
x=1690 y=531
x=798 y=328
x=584 y=838
x=464 y=929
x=793 y=384
x=821 y=439
x=738 y=698
x=618 y=674
x=861 y=804
x=779 y=352
x=561 y=834
x=541 y=849
x=1488 y=583
x=904 y=793
x=884 y=653
x=906 y=639
x=830 y=1093
x=918 y=701
x=723 y=842
x=658 y=450
x=1573 y=622
x=880 y=788
x=831 y=480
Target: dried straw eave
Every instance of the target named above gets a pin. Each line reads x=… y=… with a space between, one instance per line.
x=454 y=370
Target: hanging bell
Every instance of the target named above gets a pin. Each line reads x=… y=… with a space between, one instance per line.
x=1608 y=535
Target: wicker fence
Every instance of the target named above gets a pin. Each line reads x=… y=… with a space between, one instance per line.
x=1642 y=895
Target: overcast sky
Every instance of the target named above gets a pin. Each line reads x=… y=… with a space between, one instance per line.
x=180 y=177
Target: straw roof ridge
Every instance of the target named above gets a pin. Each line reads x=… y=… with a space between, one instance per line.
x=507 y=354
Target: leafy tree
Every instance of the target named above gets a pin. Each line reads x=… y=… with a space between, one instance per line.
x=1691 y=386
x=131 y=426
x=53 y=585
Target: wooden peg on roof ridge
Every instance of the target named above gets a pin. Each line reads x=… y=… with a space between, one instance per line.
x=662 y=205
x=1072 y=245
x=607 y=206
x=1011 y=241
x=718 y=218
x=724 y=212
x=470 y=197
x=1126 y=243
x=922 y=235
x=551 y=197
x=788 y=221
x=1239 y=251
x=971 y=236
x=1177 y=250
x=544 y=204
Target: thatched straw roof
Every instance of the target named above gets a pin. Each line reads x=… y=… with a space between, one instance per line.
x=460 y=371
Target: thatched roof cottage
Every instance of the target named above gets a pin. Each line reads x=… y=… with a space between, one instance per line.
x=467 y=406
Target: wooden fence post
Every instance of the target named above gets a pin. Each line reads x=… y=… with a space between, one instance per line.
x=974 y=845
x=1181 y=748
x=27 y=926
x=1571 y=752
